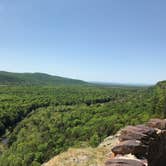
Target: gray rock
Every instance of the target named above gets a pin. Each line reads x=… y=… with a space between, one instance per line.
x=124 y=162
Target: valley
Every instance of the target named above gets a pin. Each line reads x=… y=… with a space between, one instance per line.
x=43 y=120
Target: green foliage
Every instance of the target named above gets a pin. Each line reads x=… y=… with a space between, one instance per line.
x=159 y=99
x=94 y=140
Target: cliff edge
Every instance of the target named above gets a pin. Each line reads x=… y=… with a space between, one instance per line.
x=141 y=145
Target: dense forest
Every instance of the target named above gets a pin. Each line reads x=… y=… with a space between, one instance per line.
x=38 y=122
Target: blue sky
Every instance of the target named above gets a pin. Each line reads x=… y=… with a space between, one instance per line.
x=94 y=40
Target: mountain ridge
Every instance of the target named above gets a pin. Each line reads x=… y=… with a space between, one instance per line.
x=11 y=78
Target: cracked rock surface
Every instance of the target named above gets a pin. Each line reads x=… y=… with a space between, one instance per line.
x=147 y=144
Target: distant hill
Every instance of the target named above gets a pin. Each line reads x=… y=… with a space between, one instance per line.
x=8 y=78
x=114 y=84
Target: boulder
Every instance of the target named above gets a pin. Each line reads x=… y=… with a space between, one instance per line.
x=157 y=123
x=134 y=147
x=140 y=132
x=124 y=162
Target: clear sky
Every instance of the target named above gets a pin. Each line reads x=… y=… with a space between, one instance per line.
x=94 y=40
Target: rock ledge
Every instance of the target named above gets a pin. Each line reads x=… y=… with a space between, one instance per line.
x=141 y=145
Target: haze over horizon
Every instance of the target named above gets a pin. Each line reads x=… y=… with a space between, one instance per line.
x=105 y=41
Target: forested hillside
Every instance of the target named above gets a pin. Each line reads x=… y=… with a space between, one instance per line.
x=38 y=122
x=8 y=78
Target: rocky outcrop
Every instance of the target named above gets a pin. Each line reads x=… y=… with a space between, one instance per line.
x=146 y=143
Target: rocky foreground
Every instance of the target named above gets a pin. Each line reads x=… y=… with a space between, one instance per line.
x=145 y=143
x=141 y=145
